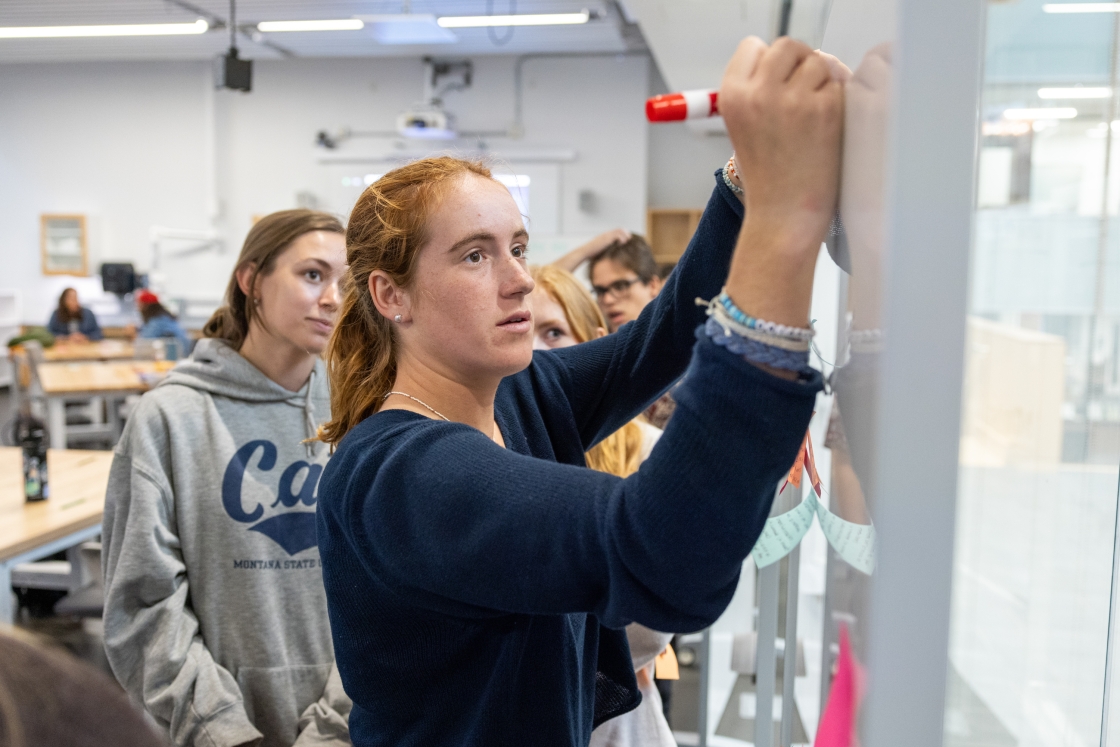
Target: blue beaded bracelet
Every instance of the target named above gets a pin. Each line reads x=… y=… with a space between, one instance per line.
x=757 y=352
x=779 y=330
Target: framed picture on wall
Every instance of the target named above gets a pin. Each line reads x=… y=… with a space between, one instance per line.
x=63 y=244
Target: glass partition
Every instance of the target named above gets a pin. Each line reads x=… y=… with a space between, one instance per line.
x=765 y=673
x=1040 y=431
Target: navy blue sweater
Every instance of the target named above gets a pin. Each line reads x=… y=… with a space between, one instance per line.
x=476 y=593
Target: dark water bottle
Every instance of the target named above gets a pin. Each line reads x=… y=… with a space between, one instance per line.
x=31 y=435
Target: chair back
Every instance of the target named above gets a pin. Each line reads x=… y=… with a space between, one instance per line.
x=158 y=349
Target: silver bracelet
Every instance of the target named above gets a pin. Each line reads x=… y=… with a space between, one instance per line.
x=727 y=179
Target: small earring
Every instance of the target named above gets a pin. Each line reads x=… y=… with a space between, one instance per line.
x=397 y=319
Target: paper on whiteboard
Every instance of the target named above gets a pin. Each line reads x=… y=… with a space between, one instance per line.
x=855 y=543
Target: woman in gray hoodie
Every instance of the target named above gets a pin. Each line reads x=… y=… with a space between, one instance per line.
x=215 y=613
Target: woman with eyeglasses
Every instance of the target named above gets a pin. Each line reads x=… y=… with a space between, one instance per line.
x=478 y=575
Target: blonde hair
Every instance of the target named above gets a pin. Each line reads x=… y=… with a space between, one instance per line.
x=621 y=452
x=386 y=230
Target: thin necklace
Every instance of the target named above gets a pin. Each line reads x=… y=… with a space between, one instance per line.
x=437 y=412
x=419 y=402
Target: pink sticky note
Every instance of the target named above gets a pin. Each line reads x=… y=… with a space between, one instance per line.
x=838 y=722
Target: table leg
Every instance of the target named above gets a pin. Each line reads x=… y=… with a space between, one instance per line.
x=7 y=604
x=56 y=417
x=113 y=407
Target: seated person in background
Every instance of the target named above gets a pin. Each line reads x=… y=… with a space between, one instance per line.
x=215 y=611
x=564 y=314
x=159 y=322
x=71 y=321
x=50 y=698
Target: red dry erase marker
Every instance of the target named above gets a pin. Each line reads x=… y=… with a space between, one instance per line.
x=675 y=107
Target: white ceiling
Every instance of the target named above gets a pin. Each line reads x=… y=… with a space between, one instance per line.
x=608 y=33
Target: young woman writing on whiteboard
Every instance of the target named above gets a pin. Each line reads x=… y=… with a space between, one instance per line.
x=478 y=575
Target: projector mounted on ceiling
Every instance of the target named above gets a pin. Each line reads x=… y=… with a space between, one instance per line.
x=429 y=121
x=230 y=71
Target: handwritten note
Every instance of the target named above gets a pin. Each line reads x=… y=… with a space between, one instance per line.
x=855 y=543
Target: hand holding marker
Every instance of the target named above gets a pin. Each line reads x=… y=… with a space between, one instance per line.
x=704 y=103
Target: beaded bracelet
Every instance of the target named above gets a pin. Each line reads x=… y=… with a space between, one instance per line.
x=757 y=352
x=730 y=326
x=779 y=330
x=727 y=179
x=865 y=340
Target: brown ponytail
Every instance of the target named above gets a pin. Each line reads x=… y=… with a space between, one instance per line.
x=267 y=240
x=621 y=452
x=386 y=230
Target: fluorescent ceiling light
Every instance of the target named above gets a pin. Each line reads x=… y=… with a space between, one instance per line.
x=408 y=28
x=1050 y=112
x=342 y=24
x=1081 y=8
x=1076 y=92
x=522 y=19
x=133 y=29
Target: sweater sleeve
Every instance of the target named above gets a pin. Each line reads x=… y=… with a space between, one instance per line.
x=152 y=637
x=612 y=379
x=457 y=524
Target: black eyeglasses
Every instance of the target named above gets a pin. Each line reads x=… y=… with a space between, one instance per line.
x=619 y=289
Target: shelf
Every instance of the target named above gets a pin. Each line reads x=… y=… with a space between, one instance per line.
x=669 y=230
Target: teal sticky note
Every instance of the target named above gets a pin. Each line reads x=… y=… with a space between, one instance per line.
x=855 y=543
x=782 y=533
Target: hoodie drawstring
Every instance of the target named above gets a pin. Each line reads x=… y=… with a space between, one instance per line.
x=309 y=417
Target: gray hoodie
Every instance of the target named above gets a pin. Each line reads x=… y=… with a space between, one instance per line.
x=215 y=614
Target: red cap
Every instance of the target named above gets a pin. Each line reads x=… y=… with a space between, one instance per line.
x=146 y=296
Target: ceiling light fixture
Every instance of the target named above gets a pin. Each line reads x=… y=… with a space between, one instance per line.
x=1051 y=112
x=342 y=24
x=1081 y=8
x=524 y=19
x=133 y=29
x=1076 y=92
x=408 y=28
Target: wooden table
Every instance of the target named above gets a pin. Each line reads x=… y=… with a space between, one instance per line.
x=72 y=514
x=103 y=350
x=62 y=381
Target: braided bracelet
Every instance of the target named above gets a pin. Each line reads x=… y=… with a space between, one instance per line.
x=757 y=352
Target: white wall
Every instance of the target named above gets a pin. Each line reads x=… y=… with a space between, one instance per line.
x=682 y=159
x=140 y=144
x=119 y=142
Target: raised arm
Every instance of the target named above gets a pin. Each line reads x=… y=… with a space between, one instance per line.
x=783 y=107
x=612 y=379
x=498 y=532
x=584 y=252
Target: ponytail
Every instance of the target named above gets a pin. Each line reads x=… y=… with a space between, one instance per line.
x=386 y=230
